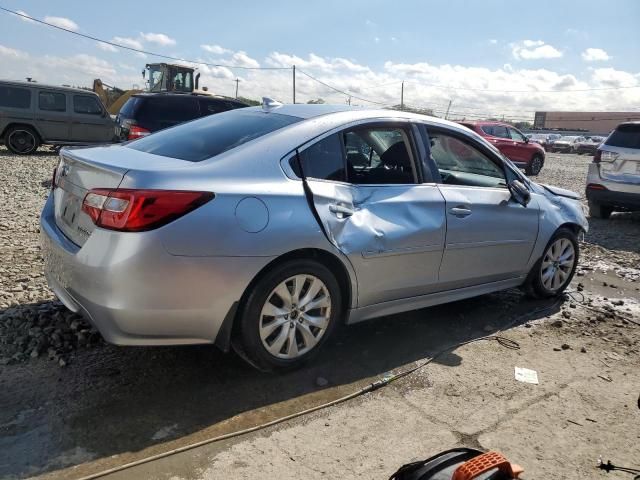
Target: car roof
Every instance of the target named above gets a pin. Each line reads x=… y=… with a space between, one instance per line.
x=22 y=83
x=483 y=122
x=183 y=95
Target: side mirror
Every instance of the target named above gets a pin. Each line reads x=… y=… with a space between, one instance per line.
x=519 y=192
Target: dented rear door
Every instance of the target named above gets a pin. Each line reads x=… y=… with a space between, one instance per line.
x=393 y=235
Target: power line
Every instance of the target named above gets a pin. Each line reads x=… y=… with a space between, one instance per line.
x=137 y=50
x=343 y=92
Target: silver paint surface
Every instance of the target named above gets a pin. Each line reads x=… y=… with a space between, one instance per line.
x=402 y=246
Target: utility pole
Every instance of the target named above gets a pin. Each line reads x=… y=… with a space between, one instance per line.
x=402 y=96
x=237 y=81
x=294 y=84
x=446 y=115
x=349 y=100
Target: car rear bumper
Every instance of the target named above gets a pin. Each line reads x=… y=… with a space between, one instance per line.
x=610 y=193
x=136 y=293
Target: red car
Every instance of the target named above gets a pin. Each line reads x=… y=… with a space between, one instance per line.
x=512 y=143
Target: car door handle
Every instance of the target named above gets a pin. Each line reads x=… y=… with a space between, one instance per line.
x=460 y=212
x=341 y=210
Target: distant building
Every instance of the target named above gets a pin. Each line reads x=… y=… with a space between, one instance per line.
x=588 y=122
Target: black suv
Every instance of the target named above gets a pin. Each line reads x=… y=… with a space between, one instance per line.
x=145 y=113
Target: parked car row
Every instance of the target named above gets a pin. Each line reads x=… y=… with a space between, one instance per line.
x=33 y=114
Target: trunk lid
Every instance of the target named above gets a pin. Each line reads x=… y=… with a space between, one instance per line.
x=75 y=176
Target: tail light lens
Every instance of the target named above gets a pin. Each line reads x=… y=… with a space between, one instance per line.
x=604 y=156
x=596 y=186
x=137 y=132
x=128 y=210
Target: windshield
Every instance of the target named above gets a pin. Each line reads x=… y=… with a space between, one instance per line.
x=210 y=136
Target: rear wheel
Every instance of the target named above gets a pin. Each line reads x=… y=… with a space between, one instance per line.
x=599 y=211
x=535 y=165
x=289 y=315
x=21 y=140
x=552 y=274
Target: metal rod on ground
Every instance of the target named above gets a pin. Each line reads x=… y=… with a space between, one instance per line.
x=294 y=84
x=446 y=115
x=402 y=96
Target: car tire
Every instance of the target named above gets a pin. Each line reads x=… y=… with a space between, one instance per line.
x=597 y=210
x=554 y=271
x=288 y=338
x=21 y=140
x=535 y=165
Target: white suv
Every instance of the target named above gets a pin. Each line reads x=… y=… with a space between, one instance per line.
x=613 y=182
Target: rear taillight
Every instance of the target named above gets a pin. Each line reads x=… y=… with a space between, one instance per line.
x=596 y=186
x=604 y=156
x=139 y=210
x=137 y=132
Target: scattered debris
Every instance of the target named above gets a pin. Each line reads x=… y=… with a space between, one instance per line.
x=526 y=375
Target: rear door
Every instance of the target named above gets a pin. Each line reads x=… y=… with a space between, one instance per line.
x=522 y=150
x=375 y=208
x=90 y=122
x=52 y=115
x=490 y=237
x=622 y=163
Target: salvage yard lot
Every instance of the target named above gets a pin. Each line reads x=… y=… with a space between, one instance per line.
x=69 y=399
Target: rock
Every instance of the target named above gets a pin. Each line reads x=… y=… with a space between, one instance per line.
x=488 y=328
x=566 y=314
x=565 y=346
x=322 y=382
x=583 y=350
x=556 y=349
x=557 y=323
x=62 y=362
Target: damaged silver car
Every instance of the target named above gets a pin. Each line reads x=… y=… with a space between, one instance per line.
x=263 y=229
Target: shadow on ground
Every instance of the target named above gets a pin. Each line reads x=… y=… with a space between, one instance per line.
x=113 y=400
x=619 y=232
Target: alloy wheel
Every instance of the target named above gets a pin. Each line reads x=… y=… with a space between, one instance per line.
x=22 y=141
x=295 y=316
x=557 y=264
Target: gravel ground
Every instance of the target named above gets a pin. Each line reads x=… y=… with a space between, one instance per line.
x=111 y=405
x=33 y=324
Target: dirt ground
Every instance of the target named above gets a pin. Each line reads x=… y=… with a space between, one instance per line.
x=78 y=406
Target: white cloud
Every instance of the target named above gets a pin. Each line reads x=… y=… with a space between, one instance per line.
x=534 y=50
x=158 y=38
x=370 y=23
x=610 y=77
x=376 y=39
x=107 y=47
x=595 y=55
x=23 y=16
x=394 y=39
x=493 y=41
x=215 y=49
x=242 y=59
x=12 y=52
x=128 y=42
x=62 y=22
x=315 y=62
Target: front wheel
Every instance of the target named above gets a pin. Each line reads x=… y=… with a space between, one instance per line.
x=535 y=166
x=289 y=315
x=552 y=274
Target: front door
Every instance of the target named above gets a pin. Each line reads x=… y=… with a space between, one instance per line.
x=90 y=123
x=52 y=115
x=490 y=236
x=368 y=195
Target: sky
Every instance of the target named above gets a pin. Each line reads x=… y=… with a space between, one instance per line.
x=488 y=58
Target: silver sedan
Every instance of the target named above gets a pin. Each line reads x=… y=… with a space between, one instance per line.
x=264 y=228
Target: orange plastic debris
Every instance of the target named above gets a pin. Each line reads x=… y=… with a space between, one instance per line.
x=483 y=463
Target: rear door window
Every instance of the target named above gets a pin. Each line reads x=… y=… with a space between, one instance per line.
x=52 y=101
x=130 y=107
x=625 y=136
x=12 y=97
x=86 y=104
x=324 y=160
x=169 y=109
x=210 y=136
x=496 y=131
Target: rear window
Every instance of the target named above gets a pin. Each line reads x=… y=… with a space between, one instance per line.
x=168 y=109
x=12 y=97
x=212 y=135
x=625 y=136
x=129 y=108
